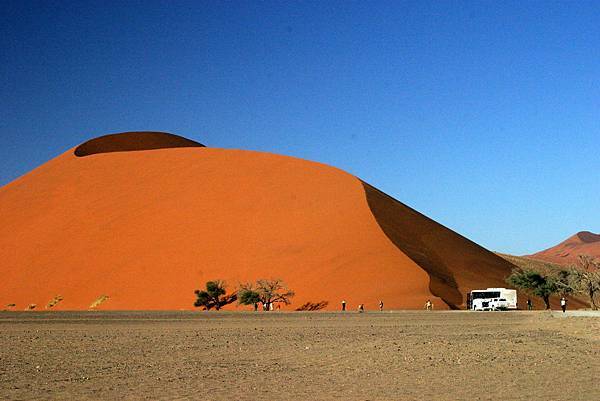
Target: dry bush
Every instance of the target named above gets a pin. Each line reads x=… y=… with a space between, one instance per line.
x=99 y=301
x=54 y=301
x=313 y=306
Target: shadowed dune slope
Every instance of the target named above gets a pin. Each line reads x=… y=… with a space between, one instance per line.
x=147 y=228
x=132 y=141
x=455 y=264
x=566 y=253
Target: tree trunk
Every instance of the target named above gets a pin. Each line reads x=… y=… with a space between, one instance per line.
x=546 y=301
x=592 y=302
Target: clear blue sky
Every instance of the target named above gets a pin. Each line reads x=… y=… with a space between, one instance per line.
x=483 y=115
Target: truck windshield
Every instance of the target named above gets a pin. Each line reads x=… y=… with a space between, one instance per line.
x=485 y=294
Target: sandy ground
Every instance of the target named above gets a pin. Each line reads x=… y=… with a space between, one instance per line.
x=278 y=356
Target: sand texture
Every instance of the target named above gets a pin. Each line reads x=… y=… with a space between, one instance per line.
x=144 y=224
x=298 y=356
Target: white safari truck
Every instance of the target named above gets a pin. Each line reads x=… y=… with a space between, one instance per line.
x=492 y=299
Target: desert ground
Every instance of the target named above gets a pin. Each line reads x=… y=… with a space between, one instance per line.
x=417 y=355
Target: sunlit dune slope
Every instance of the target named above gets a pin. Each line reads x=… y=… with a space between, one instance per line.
x=146 y=225
x=566 y=253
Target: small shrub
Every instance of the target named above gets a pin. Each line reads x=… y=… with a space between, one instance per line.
x=313 y=306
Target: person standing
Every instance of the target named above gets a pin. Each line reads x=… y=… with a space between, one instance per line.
x=529 y=304
x=361 y=308
x=343 y=306
x=429 y=305
x=381 y=306
x=563 y=304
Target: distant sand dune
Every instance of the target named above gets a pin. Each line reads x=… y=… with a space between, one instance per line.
x=566 y=253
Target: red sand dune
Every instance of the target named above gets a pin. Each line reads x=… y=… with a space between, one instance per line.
x=566 y=253
x=148 y=227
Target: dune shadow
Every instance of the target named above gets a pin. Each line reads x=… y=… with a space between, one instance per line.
x=454 y=264
x=588 y=237
x=133 y=141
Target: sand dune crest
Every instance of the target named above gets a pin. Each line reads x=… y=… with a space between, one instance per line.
x=133 y=141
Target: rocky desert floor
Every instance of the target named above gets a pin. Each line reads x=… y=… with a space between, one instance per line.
x=312 y=355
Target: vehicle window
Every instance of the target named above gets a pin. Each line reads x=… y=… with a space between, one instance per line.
x=485 y=294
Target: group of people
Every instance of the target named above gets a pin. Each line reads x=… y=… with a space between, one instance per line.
x=429 y=305
x=361 y=307
x=563 y=304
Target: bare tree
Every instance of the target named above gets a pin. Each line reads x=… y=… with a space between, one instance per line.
x=273 y=291
x=586 y=278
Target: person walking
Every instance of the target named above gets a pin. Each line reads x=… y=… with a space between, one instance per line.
x=563 y=304
x=381 y=306
x=529 y=304
x=429 y=305
x=343 y=306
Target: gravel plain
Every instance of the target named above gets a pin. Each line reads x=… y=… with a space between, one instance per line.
x=404 y=355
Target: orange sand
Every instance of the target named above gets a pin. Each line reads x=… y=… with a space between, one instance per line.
x=148 y=227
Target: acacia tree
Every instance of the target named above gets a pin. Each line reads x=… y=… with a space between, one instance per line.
x=247 y=295
x=214 y=296
x=535 y=283
x=266 y=292
x=564 y=282
x=585 y=278
x=273 y=291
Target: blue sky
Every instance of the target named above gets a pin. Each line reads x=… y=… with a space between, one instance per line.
x=482 y=115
